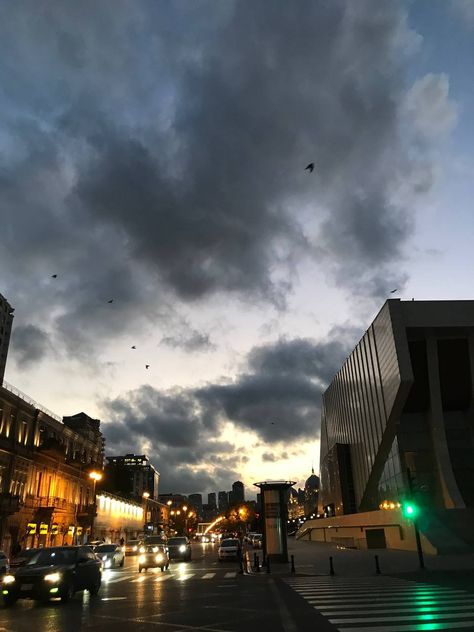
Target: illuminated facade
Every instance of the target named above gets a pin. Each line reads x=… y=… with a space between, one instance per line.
x=403 y=400
x=46 y=495
x=117 y=518
x=6 y=319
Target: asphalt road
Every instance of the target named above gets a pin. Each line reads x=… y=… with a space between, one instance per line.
x=199 y=595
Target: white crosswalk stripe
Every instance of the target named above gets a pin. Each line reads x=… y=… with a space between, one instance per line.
x=208 y=576
x=138 y=578
x=386 y=604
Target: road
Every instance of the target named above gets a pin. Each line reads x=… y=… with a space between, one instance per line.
x=200 y=595
x=209 y=596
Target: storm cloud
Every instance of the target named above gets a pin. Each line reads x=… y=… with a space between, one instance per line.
x=277 y=398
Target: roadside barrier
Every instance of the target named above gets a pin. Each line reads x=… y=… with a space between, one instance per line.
x=377 y=565
x=331 y=566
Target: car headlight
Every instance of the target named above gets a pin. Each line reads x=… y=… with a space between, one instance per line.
x=182 y=549
x=8 y=579
x=141 y=559
x=52 y=577
x=107 y=563
x=142 y=549
x=104 y=557
x=135 y=548
x=155 y=549
x=159 y=558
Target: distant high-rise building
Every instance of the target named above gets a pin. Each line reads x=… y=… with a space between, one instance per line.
x=196 y=501
x=223 y=498
x=238 y=493
x=6 y=319
x=131 y=474
x=211 y=499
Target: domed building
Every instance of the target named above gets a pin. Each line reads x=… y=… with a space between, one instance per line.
x=311 y=492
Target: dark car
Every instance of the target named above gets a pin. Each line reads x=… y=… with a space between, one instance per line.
x=22 y=558
x=54 y=572
x=179 y=548
x=153 y=556
x=132 y=546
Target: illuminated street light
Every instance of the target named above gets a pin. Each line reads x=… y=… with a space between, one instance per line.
x=185 y=507
x=146 y=494
x=178 y=513
x=169 y=503
x=95 y=476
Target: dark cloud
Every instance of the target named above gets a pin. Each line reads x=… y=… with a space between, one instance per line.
x=30 y=345
x=277 y=397
x=152 y=148
x=189 y=341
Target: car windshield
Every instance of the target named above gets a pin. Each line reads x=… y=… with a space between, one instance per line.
x=133 y=542
x=172 y=541
x=50 y=557
x=106 y=548
x=226 y=543
x=155 y=539
x=153 y=548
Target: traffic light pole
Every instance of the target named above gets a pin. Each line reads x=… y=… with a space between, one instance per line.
x=419 y=548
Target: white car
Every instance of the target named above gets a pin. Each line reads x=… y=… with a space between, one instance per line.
x=229 y=549
x=4 y=563
x=111 y=555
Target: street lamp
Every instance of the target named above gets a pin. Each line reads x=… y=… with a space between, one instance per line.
x=94 y=476
x=145 y=496
x=185 y=508
x=169 y=503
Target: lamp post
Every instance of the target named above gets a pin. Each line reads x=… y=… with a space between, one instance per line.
x=145 y=496
x=94 y=476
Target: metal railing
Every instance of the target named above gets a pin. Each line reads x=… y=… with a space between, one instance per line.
x=29 y=400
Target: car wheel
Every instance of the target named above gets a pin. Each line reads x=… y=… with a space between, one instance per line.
x=94 y=589
x=146 y=568
x=9 y=600
x=68 y=593
x=139 y=569
x=113 y=563
x=167 y=566
x=122 y=562
x=162 y=569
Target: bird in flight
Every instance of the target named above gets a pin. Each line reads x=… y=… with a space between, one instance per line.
x=310 y=167
x=147 y=366
x=133 y=347
x=393 y=291
x=54 y=276
x=111 y=301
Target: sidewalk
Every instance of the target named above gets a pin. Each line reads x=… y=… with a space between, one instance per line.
x=312 y=558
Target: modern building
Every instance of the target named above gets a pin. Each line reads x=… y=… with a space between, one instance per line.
x=404 y=401
x=6 y=320
x=131 y=475
x=223 y=500
x=238 y=493
x=196 y=501
x=211 y=500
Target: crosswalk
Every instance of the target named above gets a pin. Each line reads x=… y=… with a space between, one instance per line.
x=386 y=604
x=134 y=577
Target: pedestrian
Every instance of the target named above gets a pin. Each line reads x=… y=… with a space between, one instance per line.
x=122 y=541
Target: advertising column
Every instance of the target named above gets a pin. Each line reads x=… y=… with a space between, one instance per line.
x=274 y=509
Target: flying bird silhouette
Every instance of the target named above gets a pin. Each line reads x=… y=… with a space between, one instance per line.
x=393 y=291
x=54 y=276
x=147 y=366
x=310 y=167
x=111 y=301
x=133 y=347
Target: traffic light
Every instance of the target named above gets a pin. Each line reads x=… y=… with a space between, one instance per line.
x=410 y=510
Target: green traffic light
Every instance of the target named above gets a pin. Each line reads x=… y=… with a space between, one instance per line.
x=410 y=510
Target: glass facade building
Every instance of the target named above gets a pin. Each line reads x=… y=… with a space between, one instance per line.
x=402 y=400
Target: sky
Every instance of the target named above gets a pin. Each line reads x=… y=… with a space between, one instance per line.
x=153 y=154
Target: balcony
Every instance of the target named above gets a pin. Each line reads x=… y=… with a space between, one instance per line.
x=9 y=504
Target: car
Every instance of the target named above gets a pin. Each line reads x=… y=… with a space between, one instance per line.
x=229 y=549
x=4 y=563
x=110 y=554
x=153 y=556
x=131 y=547
x=179 y=548
x=56 y=572
x=22 y=557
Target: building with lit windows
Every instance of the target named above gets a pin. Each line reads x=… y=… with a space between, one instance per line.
x=131 y=475
x=46 y=495
x=6 y=320
x=118 y=518
x=404 y=401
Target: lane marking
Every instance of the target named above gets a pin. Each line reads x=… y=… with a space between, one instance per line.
x=208 y=576
x=113 y=598
x=414 y=609
x=230 y=575
x=423 y=618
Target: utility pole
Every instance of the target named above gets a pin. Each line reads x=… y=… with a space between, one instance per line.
x=413 y=510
